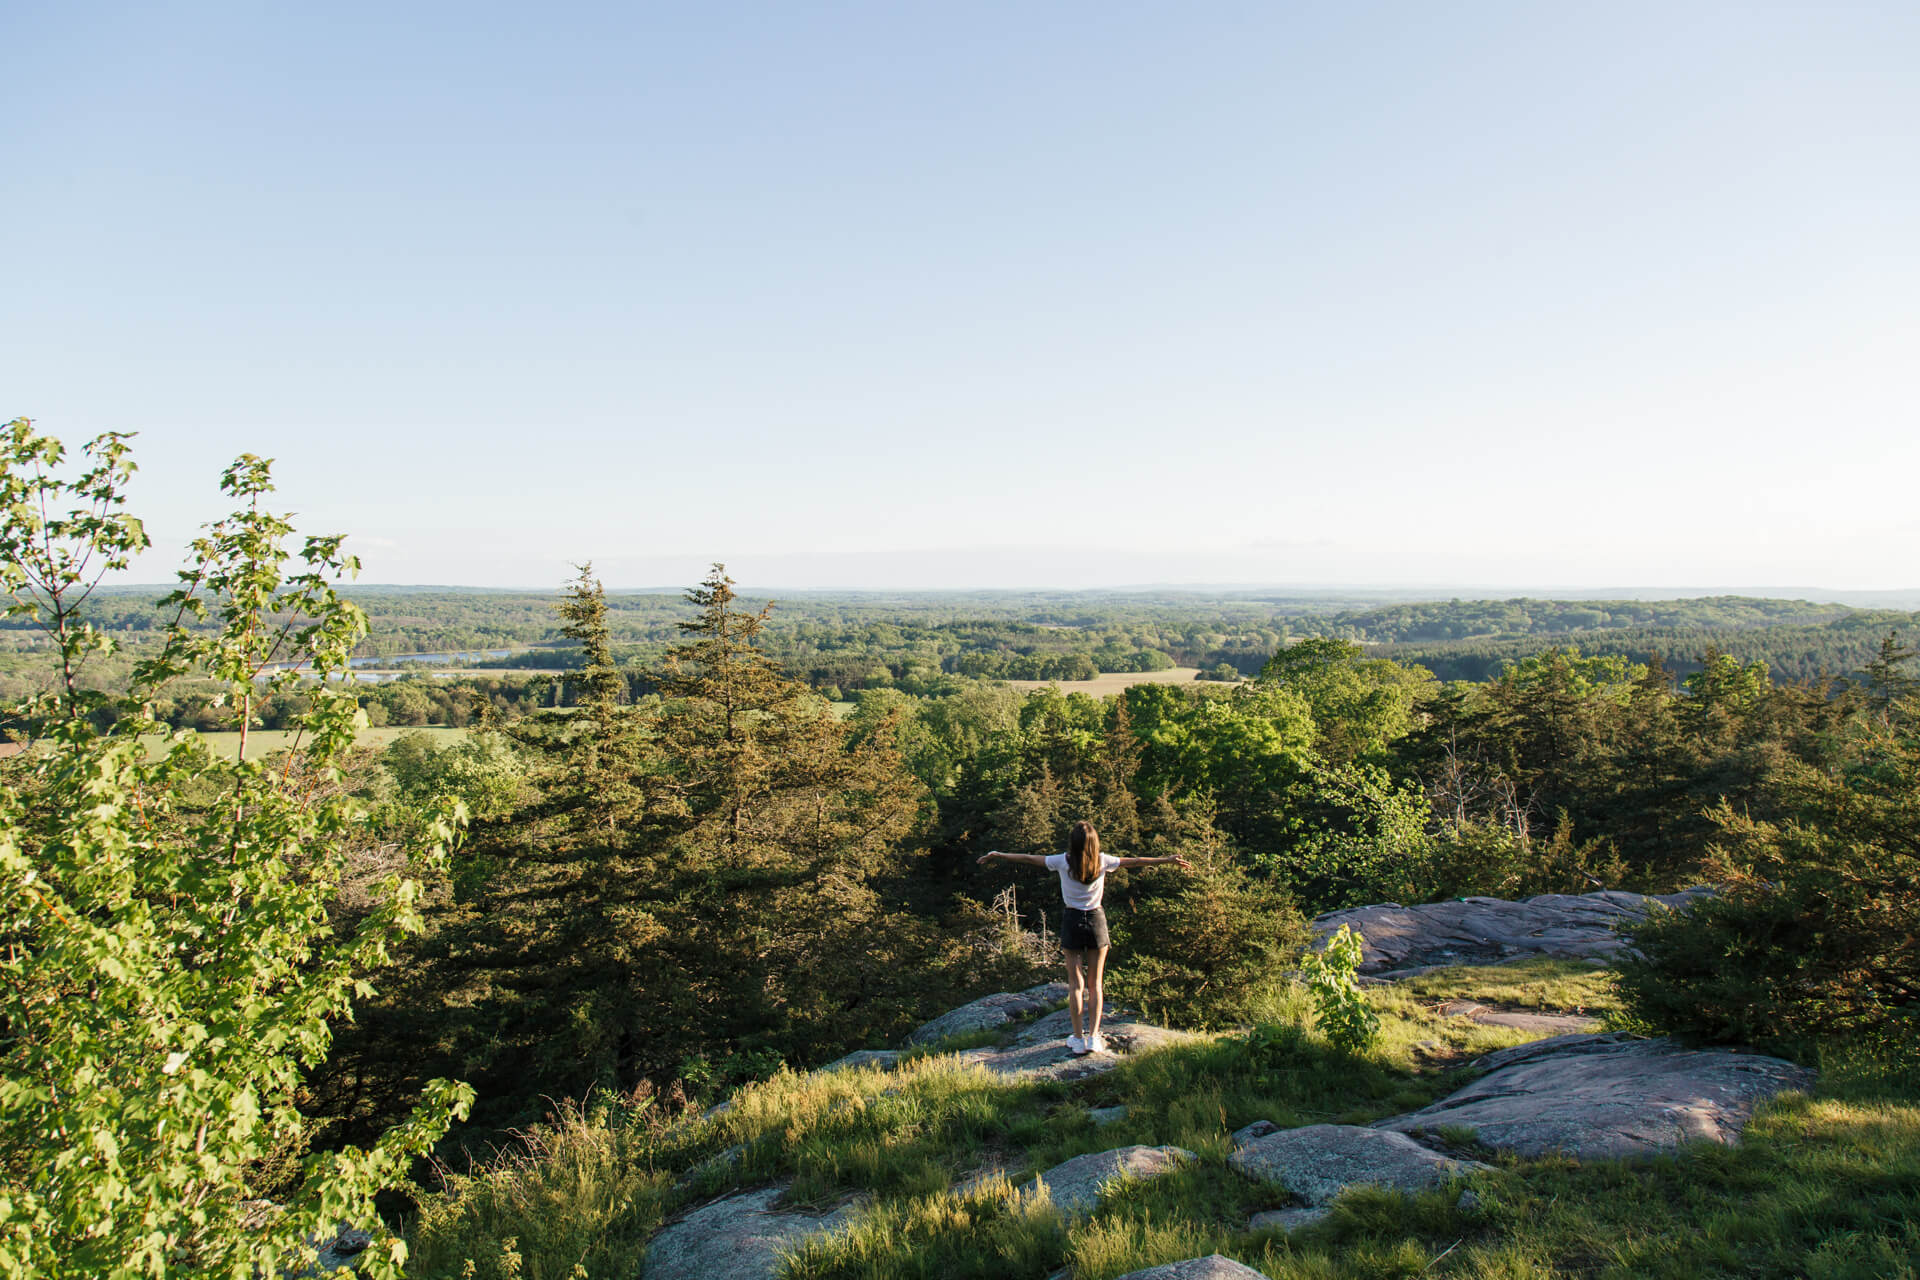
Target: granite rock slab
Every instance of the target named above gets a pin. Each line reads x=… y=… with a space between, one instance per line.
x=743 y=1237
x=1212 y=1267
x=989 y=1012
x=1488 y=930
x=1319 y=1161
x=1608 y=1097
x=1076 y=1185
x=1040 y=1054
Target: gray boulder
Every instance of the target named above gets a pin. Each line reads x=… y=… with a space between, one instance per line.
x=742 y=1237
x=1076 y=1185
x=1258 y=1129
x=1104 y=1116
x=1608 y=1097
x=1320 y=1161
x=990 y=1011
x=1488 y=930
x=1211 y=1267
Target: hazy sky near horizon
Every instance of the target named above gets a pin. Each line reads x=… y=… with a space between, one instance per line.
x=864 y=295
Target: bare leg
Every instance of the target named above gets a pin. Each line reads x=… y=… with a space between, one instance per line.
x=1095 y=991
x=1076 y=990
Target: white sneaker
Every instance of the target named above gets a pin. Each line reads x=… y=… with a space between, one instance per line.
x=1098 y=1044
x=1075 y=1045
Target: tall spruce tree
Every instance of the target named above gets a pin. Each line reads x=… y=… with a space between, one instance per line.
x=777 y=820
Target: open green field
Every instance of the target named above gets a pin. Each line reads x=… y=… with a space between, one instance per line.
x=264 y=742
x=1115 y=681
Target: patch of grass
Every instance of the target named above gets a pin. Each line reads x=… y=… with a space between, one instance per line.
x=1112 y=682
x=894 y=1133
x=988 y=1234
x=1538 y=984
x=580 y=1194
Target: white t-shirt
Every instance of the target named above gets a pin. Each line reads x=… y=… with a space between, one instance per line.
x=1082 y=897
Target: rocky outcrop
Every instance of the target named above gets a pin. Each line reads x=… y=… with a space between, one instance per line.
x=1603 y=1097
x=1211 y=1267
x=1488 y=930
x=1319 y=1161
x=1076 y=1185
x=1589 y=1096
x=742 y=1237
x=989 y=1012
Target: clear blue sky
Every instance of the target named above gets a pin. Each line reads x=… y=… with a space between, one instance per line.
x=989 y=294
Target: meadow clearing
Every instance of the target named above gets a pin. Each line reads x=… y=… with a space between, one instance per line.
x=264 y=742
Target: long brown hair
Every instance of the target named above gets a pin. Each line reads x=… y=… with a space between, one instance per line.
x=1083 y=852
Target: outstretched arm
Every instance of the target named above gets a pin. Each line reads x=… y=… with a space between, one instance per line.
x=1032 y=859
x=1175 y=860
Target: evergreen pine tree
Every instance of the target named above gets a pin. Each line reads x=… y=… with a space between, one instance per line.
x=778 y=820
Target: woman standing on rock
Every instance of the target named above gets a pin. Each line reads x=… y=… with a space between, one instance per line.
x=1083 y=927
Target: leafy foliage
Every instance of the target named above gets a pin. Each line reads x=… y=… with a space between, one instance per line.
x=1340 y=1007
x=171 y=969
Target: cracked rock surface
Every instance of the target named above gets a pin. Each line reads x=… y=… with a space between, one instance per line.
x=1608 y=1097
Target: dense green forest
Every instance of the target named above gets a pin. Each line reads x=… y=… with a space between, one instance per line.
x=679 y=867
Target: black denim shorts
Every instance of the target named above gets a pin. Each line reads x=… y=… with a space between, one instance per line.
x=1083 y=930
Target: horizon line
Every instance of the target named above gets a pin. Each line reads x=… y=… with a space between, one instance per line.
x=1441 y=590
